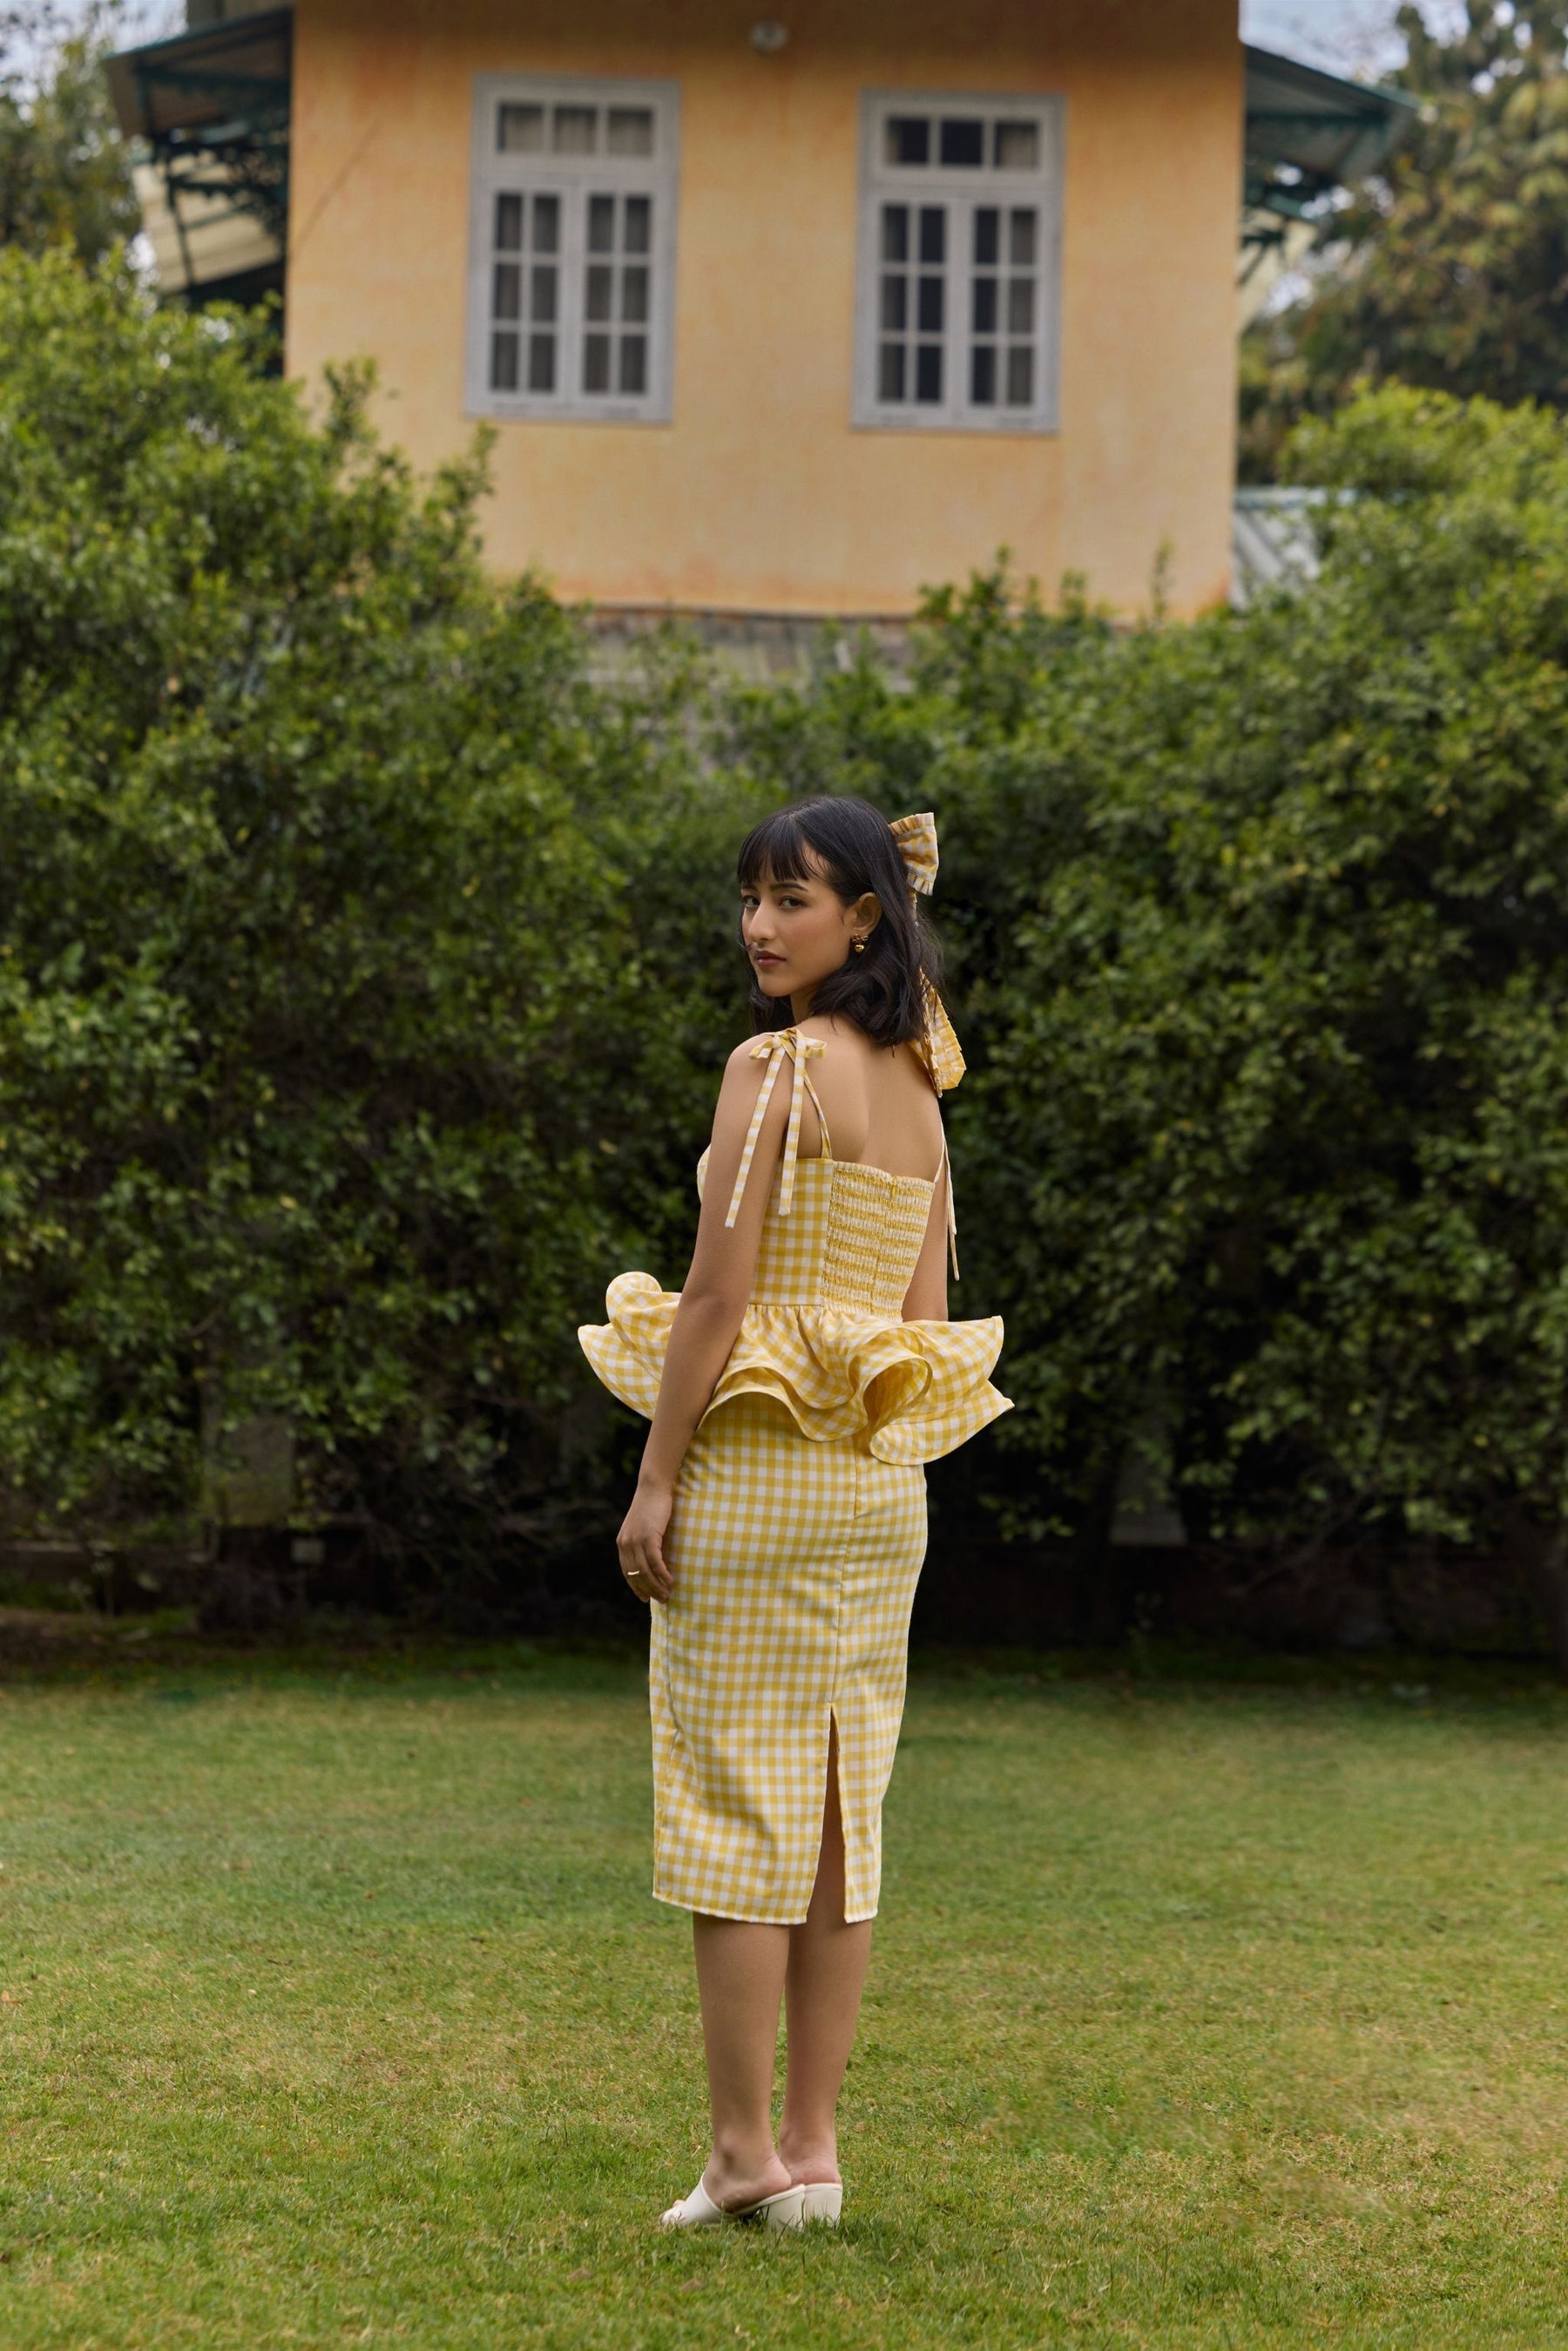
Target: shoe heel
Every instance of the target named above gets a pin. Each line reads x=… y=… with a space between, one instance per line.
x=785 y=2210
x=823 y=2201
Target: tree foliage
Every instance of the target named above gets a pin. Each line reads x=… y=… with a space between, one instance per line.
x=1449 y=266
x=367 y=965
x=1258 y=926
x=64 y=175
x=338 y=1051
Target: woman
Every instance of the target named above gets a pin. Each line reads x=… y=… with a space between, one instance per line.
x=796 y=1386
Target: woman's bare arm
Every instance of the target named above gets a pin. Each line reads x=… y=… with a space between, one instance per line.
x=711 y=1304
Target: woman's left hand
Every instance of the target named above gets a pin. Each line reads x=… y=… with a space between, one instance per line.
x=640 y=1543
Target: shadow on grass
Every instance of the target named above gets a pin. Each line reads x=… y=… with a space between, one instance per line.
x=168 y=1653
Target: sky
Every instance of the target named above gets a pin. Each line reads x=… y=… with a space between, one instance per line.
x=1354 y=36
x=150 y=20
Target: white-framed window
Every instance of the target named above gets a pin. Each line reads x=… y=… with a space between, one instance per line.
x=571 y=298
x=958 y=275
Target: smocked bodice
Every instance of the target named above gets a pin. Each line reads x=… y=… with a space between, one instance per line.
x=851 y=1239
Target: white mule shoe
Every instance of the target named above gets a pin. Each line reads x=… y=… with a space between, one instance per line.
x=823 y=2201
x=698 y=2211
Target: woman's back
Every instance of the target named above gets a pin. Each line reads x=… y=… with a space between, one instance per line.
x=877 y=1100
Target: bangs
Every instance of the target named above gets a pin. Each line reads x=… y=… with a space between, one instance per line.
x=778 y=850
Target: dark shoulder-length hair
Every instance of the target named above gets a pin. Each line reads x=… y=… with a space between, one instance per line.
x=850 y=844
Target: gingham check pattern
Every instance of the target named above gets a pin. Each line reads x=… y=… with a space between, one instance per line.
x=777 y=1047
x=917 y=840
x=795 y=1566
x=798 y=1531
x=824 y=1332
x=915 y=837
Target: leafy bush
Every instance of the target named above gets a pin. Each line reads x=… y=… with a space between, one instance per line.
x=342 y=1045
x=1258 y=930
x=366 y=967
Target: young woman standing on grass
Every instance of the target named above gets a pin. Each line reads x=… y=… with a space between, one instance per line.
x=797 y=1386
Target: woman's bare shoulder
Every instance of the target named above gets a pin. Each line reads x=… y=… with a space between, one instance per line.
x=741 y=1057
x=841 y=1037
x=850 y=1047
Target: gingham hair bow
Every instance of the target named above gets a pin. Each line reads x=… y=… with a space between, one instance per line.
x=916 y=837
x=917 y=840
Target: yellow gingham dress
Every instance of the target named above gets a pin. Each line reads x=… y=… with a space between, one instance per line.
x=799 y=1528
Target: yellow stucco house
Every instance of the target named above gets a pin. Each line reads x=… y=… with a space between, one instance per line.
x=785 y=316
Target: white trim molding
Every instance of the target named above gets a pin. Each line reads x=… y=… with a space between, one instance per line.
x=571 y=288
x=959 y=262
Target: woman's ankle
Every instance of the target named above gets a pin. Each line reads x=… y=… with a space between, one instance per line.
x=811 y=2157
x=744 y=2165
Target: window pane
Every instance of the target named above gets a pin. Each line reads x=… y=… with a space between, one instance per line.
x=588 y=217
x=964 y=262
x=630 y=131
x=908 y=138
x=962 y=143
x=601 y=224
x=574 y=129
x=520 y=130
x=1017 y=146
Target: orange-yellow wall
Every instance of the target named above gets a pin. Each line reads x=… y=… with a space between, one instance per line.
x=760 y=494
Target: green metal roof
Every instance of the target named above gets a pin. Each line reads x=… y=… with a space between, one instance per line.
x=1308 y=131
x=213 y=107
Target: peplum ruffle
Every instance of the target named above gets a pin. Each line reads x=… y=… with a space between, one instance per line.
x=918 y=1389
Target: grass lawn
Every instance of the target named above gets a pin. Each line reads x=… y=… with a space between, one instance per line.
x=332 y=2009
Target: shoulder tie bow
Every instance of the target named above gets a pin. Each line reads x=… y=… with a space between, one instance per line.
x=776 y=1046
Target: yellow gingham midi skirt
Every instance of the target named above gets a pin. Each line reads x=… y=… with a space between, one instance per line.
x=797 y=1534
x=795 y=1563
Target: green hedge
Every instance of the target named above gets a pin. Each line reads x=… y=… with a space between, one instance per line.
x=360 y=961
x=1261 y=939
x=365 y=968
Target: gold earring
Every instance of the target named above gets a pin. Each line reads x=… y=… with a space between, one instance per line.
x=858 y=945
